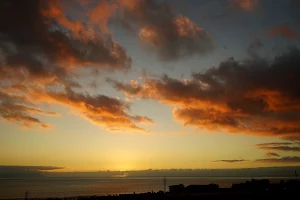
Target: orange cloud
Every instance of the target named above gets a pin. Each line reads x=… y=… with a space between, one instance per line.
x=247 y=5
x=170 y=35
x=254 y=97
x=101 y=110
x=283 y=31
x=101 y=13
x=51 y=43
x=59 y=41
x=13 y=109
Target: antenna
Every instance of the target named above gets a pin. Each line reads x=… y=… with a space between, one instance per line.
x=165 y=183
x=26 y=194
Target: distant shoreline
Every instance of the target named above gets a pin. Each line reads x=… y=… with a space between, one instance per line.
x=147 y=177
x=248 y=188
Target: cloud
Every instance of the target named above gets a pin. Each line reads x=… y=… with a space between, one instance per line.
x=246 y=5
x=254 y=47
x=12 y=109
x=170 y=35
x=273 y=144
x=253 y=96
x=102 y=110
x=38 y=37
x=288 y=159
x=229 y=161
x=292 y=138
x=44 y=46
x=279 y=146
x=271 y=154
x=283 y=31
x=17 y=168
x=234 y=7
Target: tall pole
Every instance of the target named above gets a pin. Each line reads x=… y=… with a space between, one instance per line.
x=26 y=194
x=165 y=184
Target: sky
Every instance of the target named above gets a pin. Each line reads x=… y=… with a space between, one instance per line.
x=89 y=85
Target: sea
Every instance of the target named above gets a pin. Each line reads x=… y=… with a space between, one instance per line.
x=74 y=187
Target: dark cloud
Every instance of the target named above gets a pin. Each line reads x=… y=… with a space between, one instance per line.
x=17 y=168
x=38 y=36
x=229 y=161
x=272 y=154
x=273 y=144
x=254 y=96
x=254 y=47
x=279 y=146
x=172 y=36
x=288 y=159
x=42 y=46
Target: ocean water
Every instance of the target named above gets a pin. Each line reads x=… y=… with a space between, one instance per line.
x=71 y=187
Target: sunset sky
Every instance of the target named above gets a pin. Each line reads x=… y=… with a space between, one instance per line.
x=92 y=85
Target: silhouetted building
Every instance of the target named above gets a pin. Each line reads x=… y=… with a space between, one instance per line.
x=176 y=189
x=257 y=185
x=292 y=185
x=202 y=188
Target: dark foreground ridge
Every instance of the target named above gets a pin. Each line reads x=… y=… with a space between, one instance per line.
x=248 y=190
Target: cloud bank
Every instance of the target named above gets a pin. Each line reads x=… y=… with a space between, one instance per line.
x=44 y=46
x=254 y=96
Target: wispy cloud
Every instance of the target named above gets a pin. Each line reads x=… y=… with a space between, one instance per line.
x=230 y=161
x=20 y=168
x=273 y=144
x=279 y=146
x=272 y=154
x=18 y=109
x=288 y=159
x=99 y=109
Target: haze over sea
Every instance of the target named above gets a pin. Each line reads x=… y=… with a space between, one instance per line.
x=80 y=186
x=16 y=180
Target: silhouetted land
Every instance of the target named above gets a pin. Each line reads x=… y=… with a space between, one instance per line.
x=246 y=190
